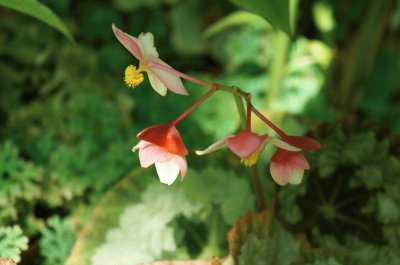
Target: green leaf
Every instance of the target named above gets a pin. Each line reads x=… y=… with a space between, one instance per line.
x=57 y=241
x=278 y=247
x=186 y=35
x=106 y=215
x=352 y=192
x=12 y=242
x=19 y=181
x=136 y=222
x=235 y=19
x=277 y=12
x=38 y=10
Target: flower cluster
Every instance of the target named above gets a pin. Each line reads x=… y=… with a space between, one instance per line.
x=162 y=144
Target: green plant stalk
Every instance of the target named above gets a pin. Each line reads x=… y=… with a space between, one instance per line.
x=212 y=246
x=241 y=111
x=281 y=45
x=255 y=176
x=354 y=63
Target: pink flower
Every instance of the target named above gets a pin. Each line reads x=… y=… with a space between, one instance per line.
x=162 y=145
x=288 y=167
x=142 y=48
x=247 y=146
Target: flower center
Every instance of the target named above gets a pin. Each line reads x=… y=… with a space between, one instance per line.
x=133 y=77
x=251 y=159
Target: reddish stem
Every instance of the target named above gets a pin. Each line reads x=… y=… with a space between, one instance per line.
x=248 y=116
x=195 y=105
x=268 y=122
x=175 y=72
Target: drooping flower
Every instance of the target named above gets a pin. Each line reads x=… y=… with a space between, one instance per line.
x=163 y=146
x=288 y=167
x=142 y=48
x=247 y=146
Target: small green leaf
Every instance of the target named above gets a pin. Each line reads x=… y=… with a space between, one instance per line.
x=12 y=242
x=57 y=241
x=38 y=10
x=277 y=12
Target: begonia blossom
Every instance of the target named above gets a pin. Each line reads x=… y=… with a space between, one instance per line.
x=142 y=48
x=288 y=167
x=247 y=146
x=163 y=146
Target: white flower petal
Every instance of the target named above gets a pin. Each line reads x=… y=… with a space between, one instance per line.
x=167 y=171
x=147 y=44
x=139 y=145
x=171 y=81
x=281 y=144
x=150 y=154
x=211 y=148
x=156 y=83
x=182 y=164
x=279 y=173
x=296 y=176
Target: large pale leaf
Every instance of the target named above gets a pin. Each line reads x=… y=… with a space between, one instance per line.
x=277 y=12
x=106 y=215
x=37 y=10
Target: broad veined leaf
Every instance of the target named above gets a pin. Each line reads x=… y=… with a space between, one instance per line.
x=106 y=214
x=258 y=238
x=38 y=10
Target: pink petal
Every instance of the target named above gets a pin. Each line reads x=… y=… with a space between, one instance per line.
x=212 y=148
x=182 y=164
x=244 y=143
x=151 y=154
x=167 y=171
x=280 y=173
x=130 y=43
x=139 y=145
x=170 y=80
x=298 y=161
x=282 y=144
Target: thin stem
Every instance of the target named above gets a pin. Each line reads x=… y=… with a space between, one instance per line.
x=255 y=177
x=268 y=122
x=248 y=116
x=185 y=76
x=247 y=97
x=234 y=90
x=240 y=109
x=195 y=105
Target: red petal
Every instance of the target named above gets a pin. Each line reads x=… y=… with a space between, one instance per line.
x=302 y=142
x=164 y=135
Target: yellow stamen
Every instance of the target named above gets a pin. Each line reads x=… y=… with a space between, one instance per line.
x=251 y=159
x=133 y=77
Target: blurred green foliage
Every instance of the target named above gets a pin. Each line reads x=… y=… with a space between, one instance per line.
x=67 y=124
x=57 y=241
x=354 y=203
